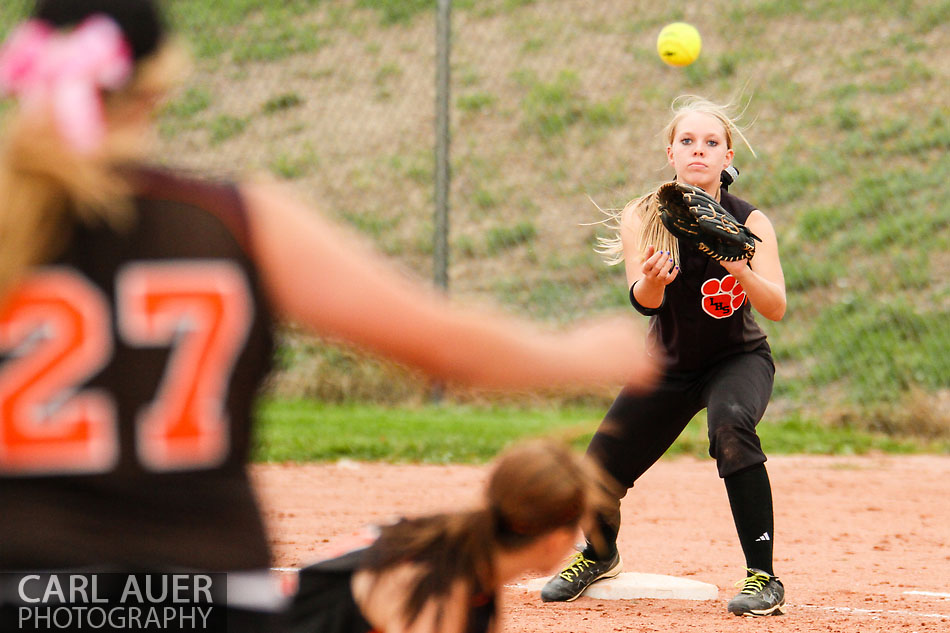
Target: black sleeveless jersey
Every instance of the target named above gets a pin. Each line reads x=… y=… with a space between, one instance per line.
x=129 y=366
x=324 y=600
x=705 y=315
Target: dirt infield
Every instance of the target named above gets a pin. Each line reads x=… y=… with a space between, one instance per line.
x=862 y=543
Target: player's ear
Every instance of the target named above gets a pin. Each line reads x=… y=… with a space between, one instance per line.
x=730 y=154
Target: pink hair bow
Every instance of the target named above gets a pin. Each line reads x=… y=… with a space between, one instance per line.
x=44 y=68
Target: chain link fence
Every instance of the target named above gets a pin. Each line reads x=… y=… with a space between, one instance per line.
x=557 y=106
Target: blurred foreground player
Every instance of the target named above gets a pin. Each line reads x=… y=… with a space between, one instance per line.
x=441 y=573
x=136 y=309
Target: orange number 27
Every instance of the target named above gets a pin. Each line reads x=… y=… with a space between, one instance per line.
x=55 y=329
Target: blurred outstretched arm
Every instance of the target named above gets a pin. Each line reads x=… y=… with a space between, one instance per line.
x=331 y=282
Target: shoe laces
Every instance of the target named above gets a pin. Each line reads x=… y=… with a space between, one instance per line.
x=754 y=583
x=578 y=564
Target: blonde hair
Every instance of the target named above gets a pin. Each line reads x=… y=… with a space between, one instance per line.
x=652 y=232
x=43 y=181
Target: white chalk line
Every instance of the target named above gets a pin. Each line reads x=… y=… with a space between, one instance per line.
x=871 y=612
x=929 y=594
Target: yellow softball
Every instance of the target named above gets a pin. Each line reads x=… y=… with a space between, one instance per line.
x=679 y=44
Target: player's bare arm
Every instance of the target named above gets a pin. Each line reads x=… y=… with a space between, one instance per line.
x=648 y=275
x=762 y=279
x=329 y=280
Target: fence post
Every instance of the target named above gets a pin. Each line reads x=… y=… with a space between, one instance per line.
x=443 y=32
x=442 y=175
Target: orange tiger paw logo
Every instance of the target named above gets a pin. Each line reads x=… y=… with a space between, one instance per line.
x=722 y=297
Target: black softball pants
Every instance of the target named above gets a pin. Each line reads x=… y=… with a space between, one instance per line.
x=640 y=427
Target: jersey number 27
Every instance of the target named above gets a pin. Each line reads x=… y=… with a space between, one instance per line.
x=56 y=332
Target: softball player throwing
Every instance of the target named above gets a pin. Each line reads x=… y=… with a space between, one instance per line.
x=136 y=309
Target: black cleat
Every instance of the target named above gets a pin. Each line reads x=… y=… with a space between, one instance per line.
x=761 y=594
x=580 y=573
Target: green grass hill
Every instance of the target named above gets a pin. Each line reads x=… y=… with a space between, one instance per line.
x=556 y=101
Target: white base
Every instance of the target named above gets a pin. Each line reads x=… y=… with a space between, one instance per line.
x=630 y=585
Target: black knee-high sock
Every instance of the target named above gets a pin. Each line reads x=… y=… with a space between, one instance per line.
x=602 y=543
x=750 y=497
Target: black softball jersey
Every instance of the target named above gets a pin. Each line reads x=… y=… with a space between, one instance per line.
x=128 y=370
x=705 y=315
x=324 y=601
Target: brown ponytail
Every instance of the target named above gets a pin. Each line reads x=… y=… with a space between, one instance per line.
x=448 y=548
x=535 y=488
